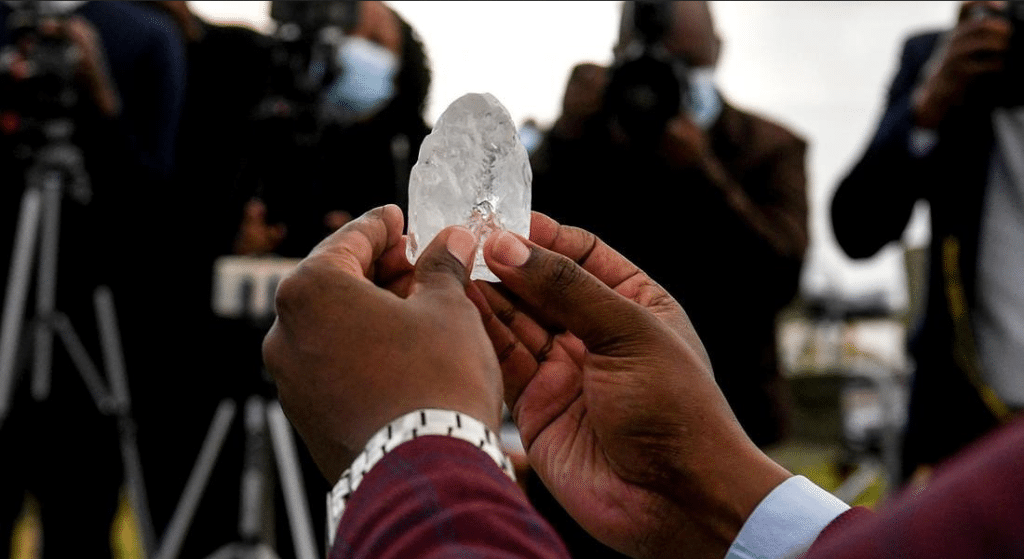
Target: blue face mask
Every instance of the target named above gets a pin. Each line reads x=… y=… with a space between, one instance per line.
x=367 y=80
x=704 y=104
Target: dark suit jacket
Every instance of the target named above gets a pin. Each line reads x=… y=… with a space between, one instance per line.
x=437 y=497
x=872 y=207
x=675 y=223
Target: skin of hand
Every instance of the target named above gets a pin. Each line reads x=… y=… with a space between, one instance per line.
x=685 y=145
x=615 y=398
x=362 y=337
x=92 y=70
x=256 y=236
x=584 y=94
x=976 y=48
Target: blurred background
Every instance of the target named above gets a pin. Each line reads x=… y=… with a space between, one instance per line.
x=819 y=68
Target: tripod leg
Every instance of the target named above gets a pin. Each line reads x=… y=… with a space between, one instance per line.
x=291 y=480
x=110 y=338
x=80 y=357
x=14 y=298
x=170 y=546
x=255 y=496
x=46 y=293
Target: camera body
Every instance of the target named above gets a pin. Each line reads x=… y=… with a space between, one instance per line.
x=304 y=58
x=37 y=74
x=647 y=86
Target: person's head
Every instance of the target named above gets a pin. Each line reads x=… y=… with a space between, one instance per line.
x=383 y=45
x=689 y=32
x=664 y=65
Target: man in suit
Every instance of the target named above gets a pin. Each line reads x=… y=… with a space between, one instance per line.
x=398 y=398
x=726 y=188
x=951 y=134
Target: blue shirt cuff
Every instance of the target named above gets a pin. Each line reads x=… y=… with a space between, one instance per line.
x=922 y=141
x=786 y=522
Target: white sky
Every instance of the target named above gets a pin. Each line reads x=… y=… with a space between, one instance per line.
x=820 y=68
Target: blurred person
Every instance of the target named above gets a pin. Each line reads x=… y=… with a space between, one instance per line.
x=228 y=69
x=357 y=154
x=725 y=187
x=951 y=134
x=613 y=394
x=127 y=83
x=255 y=176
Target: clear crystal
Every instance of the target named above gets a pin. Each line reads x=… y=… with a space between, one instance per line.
x=473 y=171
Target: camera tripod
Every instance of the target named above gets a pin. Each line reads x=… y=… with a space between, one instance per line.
x=243 y=292
x=262 y=418
x=56 y=171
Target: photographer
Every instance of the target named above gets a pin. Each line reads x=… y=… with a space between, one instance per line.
x=118 y=114
x=727 y=186
x=649 y=149
x=951 y=134
x=347 y=142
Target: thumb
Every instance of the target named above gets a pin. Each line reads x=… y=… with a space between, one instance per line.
x=562 y=293
x=445 y=263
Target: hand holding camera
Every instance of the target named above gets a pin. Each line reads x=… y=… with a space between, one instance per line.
x=91 y=69
x=54 y=59
x=978 y=49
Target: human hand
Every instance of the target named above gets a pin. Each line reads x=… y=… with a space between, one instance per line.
x=685 y=146
x=615 y=399
x=362 y=337
x=584 y=95
x=256 y=236
x=91 y=68
x=335 y=219
x=976 y=48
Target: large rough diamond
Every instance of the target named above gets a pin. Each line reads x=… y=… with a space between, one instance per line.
x=472 y=171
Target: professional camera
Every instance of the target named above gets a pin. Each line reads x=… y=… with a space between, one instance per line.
x=304 y=58
x=36 y=76
x=647 y=86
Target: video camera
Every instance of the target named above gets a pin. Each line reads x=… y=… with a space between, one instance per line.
x=647 y=86
x=304 y=59
x=37 y=73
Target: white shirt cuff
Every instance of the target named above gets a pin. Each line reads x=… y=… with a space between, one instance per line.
x=786 y=522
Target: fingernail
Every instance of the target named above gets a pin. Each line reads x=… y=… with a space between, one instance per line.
x=462 y=245
x=509 y=250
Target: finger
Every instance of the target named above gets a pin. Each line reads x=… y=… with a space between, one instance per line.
x=357 y=246
x=534 y=338
x=256 y=209
x=565 y=293
x=445 y=264
x=518 y=365
x=976 y=9
x=51 y=27
x=393 y=264
x=584 y=248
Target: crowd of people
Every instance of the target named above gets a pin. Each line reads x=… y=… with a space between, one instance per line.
x=644 y=386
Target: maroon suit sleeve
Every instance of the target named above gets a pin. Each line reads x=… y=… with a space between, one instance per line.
x=972 y=509
x=438 y=497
